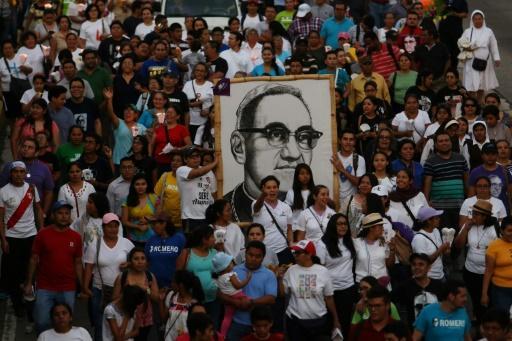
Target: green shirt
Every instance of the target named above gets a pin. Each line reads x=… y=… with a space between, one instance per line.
x=99 y=80
x=285 y=18
x=358 y=318
x=403 y=82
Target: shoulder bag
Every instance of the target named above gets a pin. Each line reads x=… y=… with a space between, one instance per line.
x=106 y=290
x=277 y=225
x=17 y=85
x=478 y=63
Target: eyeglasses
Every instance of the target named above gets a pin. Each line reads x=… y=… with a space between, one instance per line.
x=278 y=135
x=469 y=105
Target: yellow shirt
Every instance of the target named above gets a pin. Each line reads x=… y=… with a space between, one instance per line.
x=357 y=89
x=170 y=198
x=501 y=252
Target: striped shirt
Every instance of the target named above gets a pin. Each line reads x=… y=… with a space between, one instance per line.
x=447 y=180
x=383 y=62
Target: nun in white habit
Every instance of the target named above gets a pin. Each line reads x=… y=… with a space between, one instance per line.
x=483 y=44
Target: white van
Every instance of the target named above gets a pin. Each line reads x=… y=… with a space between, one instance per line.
x=215 y=12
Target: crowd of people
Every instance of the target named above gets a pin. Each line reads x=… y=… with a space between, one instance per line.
x=111 y=200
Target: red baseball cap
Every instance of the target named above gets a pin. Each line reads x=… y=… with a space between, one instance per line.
x=305 y=245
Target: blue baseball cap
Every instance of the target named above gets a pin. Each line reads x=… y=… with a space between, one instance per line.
x=60 y=204
x=221 y=261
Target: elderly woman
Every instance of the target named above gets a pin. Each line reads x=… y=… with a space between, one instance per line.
x=479 y=73
x=103 y=260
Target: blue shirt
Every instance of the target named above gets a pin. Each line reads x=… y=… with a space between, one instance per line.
x=435 y=324
x=259 y=71
x=124 y=137
x=162 y=254
x=331 y=28
x=262 y=283
x=147 y=118
x=154 y=68
x=417 y=171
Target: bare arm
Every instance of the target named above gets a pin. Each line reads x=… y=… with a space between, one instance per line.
x=417 y=335
x=329 y=302
x=116 y=292
x=108 y=94
x=200 y=171
x=15 y=136
x=407 y=133
x=47 y=201
x=462 y=237
x=239 y=284
x=97 y=126
x=79 y=269
x=427 y=186
x=471 y=190
x=490 y=263
x=32 y=266
x=259 y=202
x=87 y=279
x=39 y=214
x=301 y=235
x=181 y=262
x=289 y=233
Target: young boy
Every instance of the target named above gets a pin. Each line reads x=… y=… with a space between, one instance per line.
x=495 y=325
x=261 y=319
x=396 y=331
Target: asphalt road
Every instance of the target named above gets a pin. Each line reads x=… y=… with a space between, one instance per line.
x=498 y=15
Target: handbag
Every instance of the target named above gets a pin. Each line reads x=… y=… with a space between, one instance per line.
x=403 y=248
x=18 y=86
x=47 y=63
x=106 y=290
x=478 y=63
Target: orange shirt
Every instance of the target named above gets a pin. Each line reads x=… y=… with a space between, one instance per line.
x=501 y=252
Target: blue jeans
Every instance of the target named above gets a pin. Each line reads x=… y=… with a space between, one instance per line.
x=97 y=312
x=377 y=11
x=501 y=297
x=237 y=331
x=45 y=299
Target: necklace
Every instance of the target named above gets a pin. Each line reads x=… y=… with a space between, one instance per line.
x=480 y=236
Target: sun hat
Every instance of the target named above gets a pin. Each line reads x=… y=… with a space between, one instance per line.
x=372 y=219
x=427 y=212
x=221 y=261
x=483 y=206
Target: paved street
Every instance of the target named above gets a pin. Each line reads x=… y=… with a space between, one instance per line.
x=498 y=16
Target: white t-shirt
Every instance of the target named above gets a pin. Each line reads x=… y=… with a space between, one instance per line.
x=498 y=209
x=75 y=334
x=283 y=215
x=414 y=204
x=418 y=125
x=78 y=200
x=346 y=187
x=77 y=58
x=142 y=29
x=234 y=240
x=370 y=259
x=14 y=66
x=35 y=59
x=237 y=61
x=108 y=260
x=224 y=284
x=73 y=10
x=421 y=244
x=314 y=224
x=196 y=194
x=30 y=93
x=340 y=268
x=91 y=228
x=112 y=313
x=10 y=198
x=308 y=288
x=479 y=239
x=92 y=31
x=202 y=92
x=289 y=200
x=250 y=22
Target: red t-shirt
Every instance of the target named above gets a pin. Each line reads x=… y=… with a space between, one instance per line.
x=176 y=137
x=57 y=253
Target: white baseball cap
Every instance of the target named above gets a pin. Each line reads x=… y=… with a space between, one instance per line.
x=303 y=10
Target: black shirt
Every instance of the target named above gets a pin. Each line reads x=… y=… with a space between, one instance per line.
x=219 y=65
x=434 y=58
x=414 y=298
x=125 y=93
x=109 y=50
x=99 y=170
x=145 y=166
x=130 y=24
x=85 y=113
x=179 y=99
x=427 y=99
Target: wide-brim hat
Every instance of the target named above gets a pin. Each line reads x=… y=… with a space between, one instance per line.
x=372 y=219
x=483 y=206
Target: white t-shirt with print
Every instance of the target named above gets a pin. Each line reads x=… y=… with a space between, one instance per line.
x=108 y=260
x=10 y=198
x=340 y=268
x=308 y=288
x=421 y=244
x=202 y=92
x=479 y=239
x=91 y=32
x=14 y=67
x=346 y=187
x=113 y=313
x=498 y=209
x=283 y=215
x=75 y=334
x=314 y=224
x=30 y=93
x=195 y=194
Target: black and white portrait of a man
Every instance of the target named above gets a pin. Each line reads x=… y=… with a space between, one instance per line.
x=275 y=127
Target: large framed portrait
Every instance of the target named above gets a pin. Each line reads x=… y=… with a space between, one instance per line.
x=269 y=125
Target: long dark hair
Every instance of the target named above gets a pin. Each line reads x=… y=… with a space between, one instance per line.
x=273 y=62
x=214 y=211
x=330 y=237
x=198 y=235
x=191 y=282
x=133 y=199
x=101 y=202
x=47 y=119
x=298 y=200
x=131 y=298
x=145 y=144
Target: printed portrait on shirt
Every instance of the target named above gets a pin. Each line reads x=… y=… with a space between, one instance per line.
x=268 y=128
